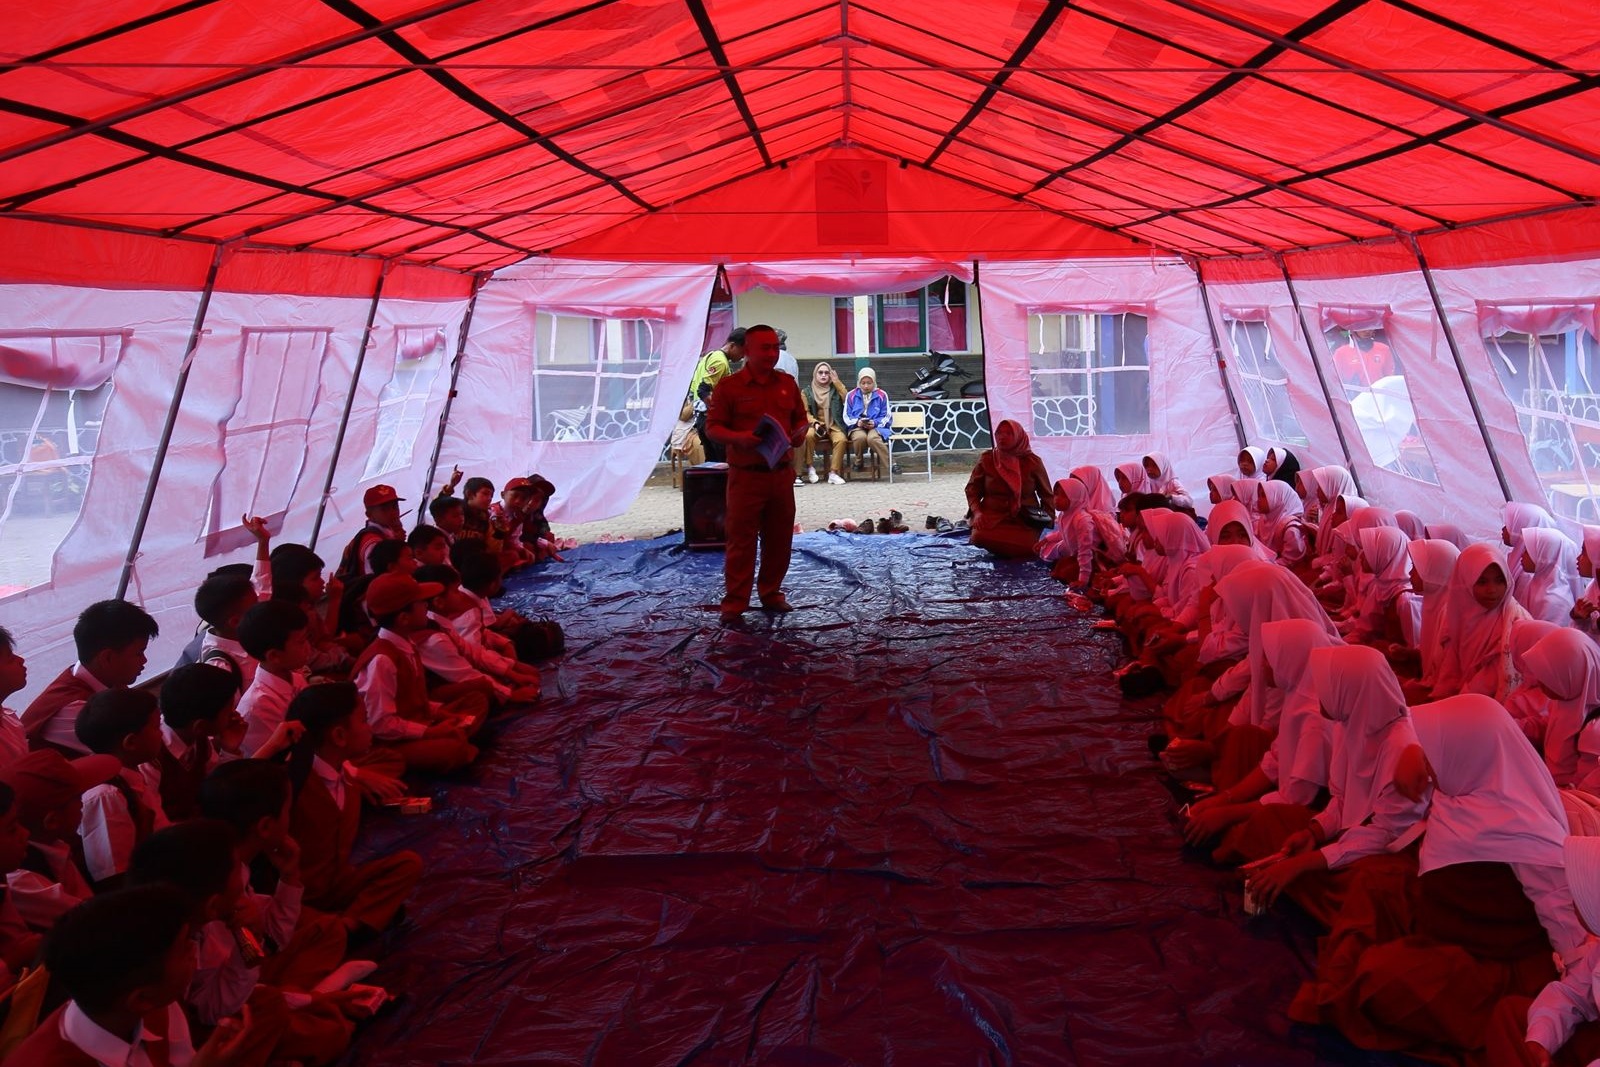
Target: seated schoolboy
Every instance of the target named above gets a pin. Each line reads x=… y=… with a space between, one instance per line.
x=537 y=537
x=382 y=504
x=197 y=857
x=326 y=817
x=49 y=797
x=391 y=557
x=125 y=959
x=394 y=683
x=125 y=723
x=221 y=602
x=449 y=516
x=457 y=662
x=277 y=635
x=111 y=637
x=19 y=945
x=200 y=725
x=507 y=516
x=297 y=579
x=429 y=546
x=529 y=639
x=254 y=798
x=490 y=652
x=13 y=678
x=476 y=497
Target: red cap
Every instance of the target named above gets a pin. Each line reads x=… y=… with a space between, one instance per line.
x=390 y=593
x=380 y=494
x=518 y=483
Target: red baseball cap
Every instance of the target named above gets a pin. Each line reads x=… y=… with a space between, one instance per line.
x=380 y=494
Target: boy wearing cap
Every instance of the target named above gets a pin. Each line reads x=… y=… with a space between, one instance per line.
x=111 y=637
x=393 y=681
x=49 y=804
x=507 y=517
x=383 y=524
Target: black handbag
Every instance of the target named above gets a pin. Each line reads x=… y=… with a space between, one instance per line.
x=1040 y=518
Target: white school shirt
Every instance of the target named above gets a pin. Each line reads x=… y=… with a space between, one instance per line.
x=235 y=651
x=108 y=830
x=445 y=653
x=1565 y=1003
x=223 y=981
x=265 y=706
x=39 y=899
x=378 y=684
x=109 y=1050
x=331 y=777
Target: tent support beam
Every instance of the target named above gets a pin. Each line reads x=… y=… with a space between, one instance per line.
x=1461 y=366
x=1322 y=378
x=450 y=397
x=178 y=387
x=1217 y=354
x=349 y=402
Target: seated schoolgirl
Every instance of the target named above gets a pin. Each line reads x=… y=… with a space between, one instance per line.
x=1387 y=564
x=1423 y=609
x=1550 y=563
x=1587 y=606
x=1100 y=495
x=1251 y=459
x=1565 y=665
x=1280 y=465
x=1518 y=518
x=1158 y=470
x=1475 y=641
x=1367 y=818
x=1081 y=536
x=1279 y=524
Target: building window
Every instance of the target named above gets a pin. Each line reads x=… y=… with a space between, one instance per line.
x=418 y=359
x=264 y=439
x=54 y=387
x=1548 y=362
x=1090 y=373
x=931 y=318
x=594 y=378
x=1373 y=381
x=1263 y=381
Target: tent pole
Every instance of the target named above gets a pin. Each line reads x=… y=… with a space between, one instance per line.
x=1322 y=379
x=1222 y=360
x=478 y=281
x=1461 y=366
x=172 y=418
x=349 y=402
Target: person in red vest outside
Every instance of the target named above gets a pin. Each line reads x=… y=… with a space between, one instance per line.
x=760 y=486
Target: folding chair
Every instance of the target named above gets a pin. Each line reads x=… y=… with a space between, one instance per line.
x=911 y=424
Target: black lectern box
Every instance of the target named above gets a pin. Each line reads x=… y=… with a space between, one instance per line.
x=705 y=503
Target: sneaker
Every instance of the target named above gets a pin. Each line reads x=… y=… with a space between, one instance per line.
x=798 y=481
x=834 y=479
x=811 y=475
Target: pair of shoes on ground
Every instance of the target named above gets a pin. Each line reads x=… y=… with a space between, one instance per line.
x=812 y=477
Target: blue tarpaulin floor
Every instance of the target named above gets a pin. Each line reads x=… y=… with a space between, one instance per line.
x=910 y=823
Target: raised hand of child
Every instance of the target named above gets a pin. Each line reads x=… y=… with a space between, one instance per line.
x=286 y=735
x=334 y=589
x=256 y=525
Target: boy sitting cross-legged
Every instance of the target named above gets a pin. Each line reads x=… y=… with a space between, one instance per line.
x=111 y=637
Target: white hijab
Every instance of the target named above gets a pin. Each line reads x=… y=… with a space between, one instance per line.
x=1591 y=548
x=1520 y=516
x=1360 y=694
x=1447 y=531
x=1234 y=511
x=1100 y=495
x=1493 y=800
x=1181 y=541
x=1255 y=594
x=1567 y=663
x=1554 y=586
x=1300 y=753
x=1434 y=561
x=1260 y=457
x=1283 y=511
x=1383 y=548
x=1474 y=637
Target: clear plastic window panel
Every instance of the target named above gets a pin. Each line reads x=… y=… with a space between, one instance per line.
x=594 y=379
x=1553 y=380
x=1090 y=373
x=48 y=437
x=264 y=441
x=1263 y=383
x=419 y=357
x=1370 y=376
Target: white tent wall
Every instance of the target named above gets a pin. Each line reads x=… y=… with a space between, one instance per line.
x=298 y=353
x=1190 y=418
x=492 y=427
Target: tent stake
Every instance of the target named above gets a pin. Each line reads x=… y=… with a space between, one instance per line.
x=1461 y=366
x=1222 y=360
x=478 y=281
x=1322 y=379
x=349 y=401
x=172 y=419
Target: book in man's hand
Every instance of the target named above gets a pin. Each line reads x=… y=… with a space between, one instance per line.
x=774 y=442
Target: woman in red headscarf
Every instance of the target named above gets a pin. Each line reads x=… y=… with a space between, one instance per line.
x=1007 y=479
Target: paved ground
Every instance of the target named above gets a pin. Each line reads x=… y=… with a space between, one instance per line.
x=659 y=507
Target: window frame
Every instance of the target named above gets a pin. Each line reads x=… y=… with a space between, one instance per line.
x=387 y=405
x=1091 y=322
x=1234 y=321
x=653 y=321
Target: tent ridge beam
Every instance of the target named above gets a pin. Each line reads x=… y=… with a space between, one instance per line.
x=1041 y=26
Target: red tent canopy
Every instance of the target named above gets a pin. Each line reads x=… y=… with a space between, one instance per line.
x=470 y=134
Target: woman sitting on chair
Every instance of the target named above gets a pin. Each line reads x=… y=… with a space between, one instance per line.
x=866 y=413
x=825 y=408
x=1007 y=479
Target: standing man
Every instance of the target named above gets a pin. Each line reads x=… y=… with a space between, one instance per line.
x=760 y=495
x=711 y=369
